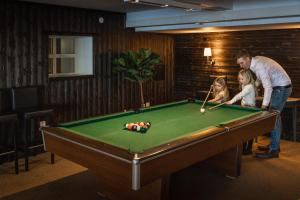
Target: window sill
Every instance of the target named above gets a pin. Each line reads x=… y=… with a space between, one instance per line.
x=69 y=76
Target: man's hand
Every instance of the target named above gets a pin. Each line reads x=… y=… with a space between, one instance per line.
x=264 y=107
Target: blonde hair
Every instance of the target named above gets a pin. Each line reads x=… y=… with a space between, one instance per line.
x=222 y=82
x=246 y=74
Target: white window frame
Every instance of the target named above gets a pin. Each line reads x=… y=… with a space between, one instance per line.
x=54 y=56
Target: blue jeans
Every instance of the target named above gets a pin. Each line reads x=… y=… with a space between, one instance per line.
x=278 y=99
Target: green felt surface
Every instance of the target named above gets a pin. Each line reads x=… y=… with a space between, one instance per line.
x=168 y=123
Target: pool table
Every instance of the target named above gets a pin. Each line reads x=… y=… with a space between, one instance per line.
x=133 y=165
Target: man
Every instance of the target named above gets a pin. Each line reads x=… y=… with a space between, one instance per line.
x=277 y=88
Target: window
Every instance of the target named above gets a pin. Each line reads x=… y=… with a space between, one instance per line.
x=70 y=55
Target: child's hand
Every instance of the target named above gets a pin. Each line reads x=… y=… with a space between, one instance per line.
x=228 y=102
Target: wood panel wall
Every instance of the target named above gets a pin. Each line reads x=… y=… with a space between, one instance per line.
x=24 y=61
x=192 y=72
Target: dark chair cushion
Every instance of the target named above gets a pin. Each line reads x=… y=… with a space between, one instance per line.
x=25 y=97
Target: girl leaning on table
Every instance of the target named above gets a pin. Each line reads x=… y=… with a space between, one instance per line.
x=220 y=91
x=247 y=97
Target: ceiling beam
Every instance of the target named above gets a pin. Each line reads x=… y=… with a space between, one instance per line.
x=171 y=17
x=207 y=27
x=191 y=5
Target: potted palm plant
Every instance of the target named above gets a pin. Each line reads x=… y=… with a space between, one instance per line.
x=137 y=67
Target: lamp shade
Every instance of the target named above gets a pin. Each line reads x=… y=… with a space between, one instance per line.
x=207 y=51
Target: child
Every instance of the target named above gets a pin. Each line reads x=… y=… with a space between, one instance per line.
x=247 y=95
x=220 y=91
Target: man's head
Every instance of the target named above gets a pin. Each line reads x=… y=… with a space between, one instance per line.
x=243 y=58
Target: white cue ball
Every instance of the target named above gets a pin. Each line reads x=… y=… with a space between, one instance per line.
x=202 y=110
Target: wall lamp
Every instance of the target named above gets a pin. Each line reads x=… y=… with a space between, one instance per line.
x=208 y=54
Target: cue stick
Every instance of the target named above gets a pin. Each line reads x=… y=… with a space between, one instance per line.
x=206 y=97
x=217 y=106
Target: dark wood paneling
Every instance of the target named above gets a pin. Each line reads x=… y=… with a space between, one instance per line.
x=192 y=73
x=23 y=58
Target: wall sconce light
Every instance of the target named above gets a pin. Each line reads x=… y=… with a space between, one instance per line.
x=208 y=54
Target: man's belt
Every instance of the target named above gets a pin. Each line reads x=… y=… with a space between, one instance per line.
x=280 y=87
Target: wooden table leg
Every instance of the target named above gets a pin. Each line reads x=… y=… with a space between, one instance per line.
x=295 y=123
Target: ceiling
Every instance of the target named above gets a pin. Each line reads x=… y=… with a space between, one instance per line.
x=174 y=16
x=125 y=6
x=106 y=5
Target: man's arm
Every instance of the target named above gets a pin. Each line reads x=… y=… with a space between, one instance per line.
x=267 y=85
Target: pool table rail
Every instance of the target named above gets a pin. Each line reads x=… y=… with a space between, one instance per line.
x=128 y=156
